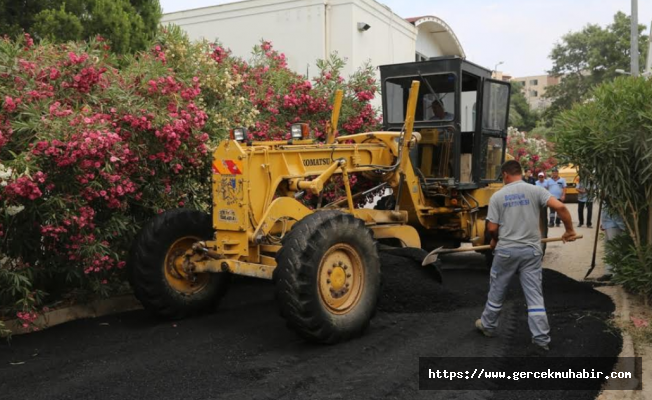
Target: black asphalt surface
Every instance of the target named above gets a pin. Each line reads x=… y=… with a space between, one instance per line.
x=244 y=350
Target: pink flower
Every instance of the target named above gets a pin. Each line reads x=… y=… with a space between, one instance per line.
x=29 y=42
x=9 y=104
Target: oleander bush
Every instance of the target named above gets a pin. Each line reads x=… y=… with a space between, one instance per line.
x=609 y=137
x=93 y=144
x=623 y=256
x=532 y=151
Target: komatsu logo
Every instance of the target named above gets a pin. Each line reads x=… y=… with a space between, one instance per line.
x=316 y=162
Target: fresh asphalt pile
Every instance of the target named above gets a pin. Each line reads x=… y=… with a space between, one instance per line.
x=245 y=351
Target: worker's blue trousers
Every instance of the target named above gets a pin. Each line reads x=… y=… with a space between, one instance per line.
x=526 y=261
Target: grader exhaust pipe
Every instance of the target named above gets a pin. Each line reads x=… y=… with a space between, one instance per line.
x=433 y=255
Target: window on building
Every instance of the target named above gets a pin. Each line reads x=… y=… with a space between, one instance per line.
x=534 y=82
x=534 y=93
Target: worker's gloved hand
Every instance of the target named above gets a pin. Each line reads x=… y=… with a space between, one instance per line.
x=569 y=236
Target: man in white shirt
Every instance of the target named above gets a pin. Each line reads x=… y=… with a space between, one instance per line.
x=542 y=181
x=557 y=188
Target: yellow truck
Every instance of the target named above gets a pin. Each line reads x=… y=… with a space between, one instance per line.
x=569 y=173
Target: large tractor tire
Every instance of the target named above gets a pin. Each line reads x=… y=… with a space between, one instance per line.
x=328 y=277
x=155 y=271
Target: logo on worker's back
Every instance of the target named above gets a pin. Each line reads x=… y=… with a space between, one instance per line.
x=516 y=200
x=316 y=162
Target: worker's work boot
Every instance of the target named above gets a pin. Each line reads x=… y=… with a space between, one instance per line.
x=478 y=325
x=538 y=350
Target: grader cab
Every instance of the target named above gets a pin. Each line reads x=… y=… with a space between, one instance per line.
x=461 y=116
x=437 y=161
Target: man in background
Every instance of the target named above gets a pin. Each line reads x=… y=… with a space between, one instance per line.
x=613 y=225
x=584 y=201
x=440 y=114
x=542 y=181
x=557 y=188
x=528 y=177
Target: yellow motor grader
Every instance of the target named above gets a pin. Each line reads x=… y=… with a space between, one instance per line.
x=437 y=160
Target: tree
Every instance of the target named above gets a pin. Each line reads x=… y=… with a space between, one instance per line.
x=589 y=57
x=58 y=25
x=542 y=131
x=129 y=25
x=521 y=116
x=610 y=139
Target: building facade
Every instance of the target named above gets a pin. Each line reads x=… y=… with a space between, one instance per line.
x=308 y=30
x=501 y=76
x=534 y=87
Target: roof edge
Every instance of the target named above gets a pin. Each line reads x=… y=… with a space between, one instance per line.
x=416 y=21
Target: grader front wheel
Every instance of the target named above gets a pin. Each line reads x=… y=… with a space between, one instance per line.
x=328 y=277
x=341 y=278
x=156 y=266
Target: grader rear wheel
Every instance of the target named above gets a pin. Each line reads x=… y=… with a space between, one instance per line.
x=156 y=271
x=328 y=277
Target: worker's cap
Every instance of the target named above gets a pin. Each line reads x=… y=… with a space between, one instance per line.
x=542 y=174
x=555 y=170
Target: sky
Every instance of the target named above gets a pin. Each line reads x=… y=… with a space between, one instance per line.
x=519 y=33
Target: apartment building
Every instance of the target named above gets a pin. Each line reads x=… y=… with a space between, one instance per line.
x=534 y=87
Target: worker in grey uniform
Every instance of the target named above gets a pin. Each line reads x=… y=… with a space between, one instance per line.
x=513 y=223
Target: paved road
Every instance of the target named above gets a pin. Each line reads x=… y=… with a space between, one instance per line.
x=244 y=351
x=574 y=259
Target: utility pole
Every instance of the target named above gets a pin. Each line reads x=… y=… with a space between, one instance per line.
x=634 y=39
x=494 y=74
x=648 y=62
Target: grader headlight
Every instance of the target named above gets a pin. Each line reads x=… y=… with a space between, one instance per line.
x=239 y=134
x=300 y=131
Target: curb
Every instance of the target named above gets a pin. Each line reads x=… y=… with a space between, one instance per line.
x=620 y=299
x=94 y=309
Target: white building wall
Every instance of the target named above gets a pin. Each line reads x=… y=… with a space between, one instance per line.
x=308 y=30
x=391 y=39
x=340 y=32
x=305 y=30
x=467 y=119
x=426 y=43
x=295 y=28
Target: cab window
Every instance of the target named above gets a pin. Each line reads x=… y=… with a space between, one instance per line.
x=437 y=105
